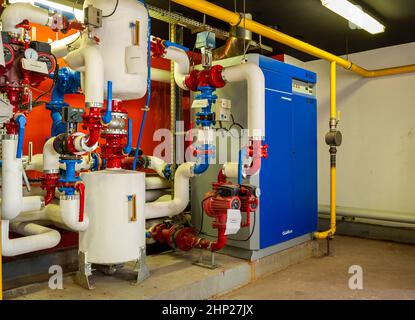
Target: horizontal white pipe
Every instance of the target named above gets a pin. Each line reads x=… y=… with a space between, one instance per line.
x=89 y=59
x=181 y=64
x=15 y=13
x=157 y=165
x=154 y=183
x=180 y=201
x=60 y=48
x=36 y=238
x=382 y=215
x=36 y=163
x=160 y=75
x=256 y=95
x=153 y=195
x=13 y=202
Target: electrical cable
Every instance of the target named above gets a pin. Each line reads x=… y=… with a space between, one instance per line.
x=55 y=80
x=113 y=11
x=143 y=120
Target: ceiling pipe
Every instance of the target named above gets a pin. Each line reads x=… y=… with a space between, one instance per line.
x=235 y=19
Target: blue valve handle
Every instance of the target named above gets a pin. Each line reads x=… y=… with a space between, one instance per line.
x=129 y=145
x=21 y=122
x=108 y=114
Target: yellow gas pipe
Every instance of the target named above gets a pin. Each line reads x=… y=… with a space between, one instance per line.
x=333 y=124
x=233 y=19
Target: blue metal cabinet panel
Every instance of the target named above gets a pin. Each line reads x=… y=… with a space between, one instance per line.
x=304 y=212
x=276 y=178
x=288 y=178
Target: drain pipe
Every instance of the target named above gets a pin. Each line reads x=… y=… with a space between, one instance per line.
x=334 y=140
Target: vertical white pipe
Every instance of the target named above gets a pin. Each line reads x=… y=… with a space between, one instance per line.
x=181 y=64
x=180 y=201
x=253 y=75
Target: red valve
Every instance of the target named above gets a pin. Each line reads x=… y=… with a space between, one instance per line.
x=157 y=48
x=80 y=187
x=211 y=77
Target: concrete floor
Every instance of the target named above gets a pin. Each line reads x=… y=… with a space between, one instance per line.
x=388 y=273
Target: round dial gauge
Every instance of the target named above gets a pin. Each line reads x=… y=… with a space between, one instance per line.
x=8 y=54
x=31 y=54
x=49 y=60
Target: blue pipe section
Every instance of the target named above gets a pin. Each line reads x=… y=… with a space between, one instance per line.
x=21 y=123
x=143 y=120
x=69 y=81
x=68 y=176
x=242 y=154
x=202 y=167
x=129 y=145
x=206 y=116
x=106 y=119
x=176 y=45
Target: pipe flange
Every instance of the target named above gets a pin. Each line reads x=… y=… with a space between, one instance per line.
x=69 y=197
x=94 y=105
x=9 y=137
x=51 y=171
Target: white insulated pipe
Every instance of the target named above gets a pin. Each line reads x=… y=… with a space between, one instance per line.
x=66 y=214
x=50 y=157
x=178 y=204
x=160 y=75
x=156 y=183
x=13 y=202
x=89 y=60
x=60 y=48
x=181 y=64
x=157 y=165
x=15 y=13
x=253 y=75
x=36 y=238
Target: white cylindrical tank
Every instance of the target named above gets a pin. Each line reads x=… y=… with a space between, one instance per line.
x=116 y=229
x=125 y=59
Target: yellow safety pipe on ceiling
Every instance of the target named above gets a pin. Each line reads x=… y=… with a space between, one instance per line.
x=234 y=19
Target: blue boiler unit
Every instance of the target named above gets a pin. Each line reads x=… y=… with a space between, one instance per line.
x=287 y=213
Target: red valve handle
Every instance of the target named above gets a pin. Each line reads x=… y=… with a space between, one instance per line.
x=80 y=187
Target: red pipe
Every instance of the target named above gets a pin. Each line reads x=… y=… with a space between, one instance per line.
x=80 y=187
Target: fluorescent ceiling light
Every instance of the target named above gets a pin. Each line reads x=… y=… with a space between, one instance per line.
x=56 y=6
x=355 y=15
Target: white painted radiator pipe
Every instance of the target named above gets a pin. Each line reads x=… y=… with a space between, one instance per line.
x=13 y=202
x=253 y=75
x=180 y=201
x=89 y=60
x=157 y=165
x=36 y=238
x=181 y=64
x=15 y=13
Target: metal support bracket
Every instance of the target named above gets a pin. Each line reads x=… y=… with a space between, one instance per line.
x=84 y=272
x=141 y=267
x=201 y=262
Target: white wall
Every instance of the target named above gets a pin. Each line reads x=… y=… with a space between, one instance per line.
x=376 y=163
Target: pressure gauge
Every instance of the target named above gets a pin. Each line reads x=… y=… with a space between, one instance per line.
x=8 y=54
x=31 y=54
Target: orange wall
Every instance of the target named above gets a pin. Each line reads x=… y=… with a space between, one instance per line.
x=39 y=122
